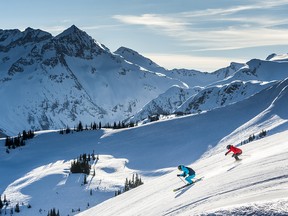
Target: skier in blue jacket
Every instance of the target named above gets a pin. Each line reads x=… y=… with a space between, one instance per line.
x=188 y=173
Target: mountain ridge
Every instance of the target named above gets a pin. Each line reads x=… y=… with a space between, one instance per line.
x=72 y=77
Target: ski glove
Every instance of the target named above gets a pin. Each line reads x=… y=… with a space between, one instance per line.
x=226 y=153
x=178 y=175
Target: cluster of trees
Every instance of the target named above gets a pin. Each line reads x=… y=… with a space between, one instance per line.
x=14 y=142
x=120 y=125
x=28 y=135
x=81 y=164
x=130 y=184
x=80 y=127
x=252 y=137
x=93 y=126
x=53 y=212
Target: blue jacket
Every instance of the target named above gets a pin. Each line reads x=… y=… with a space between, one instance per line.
x=187 y=171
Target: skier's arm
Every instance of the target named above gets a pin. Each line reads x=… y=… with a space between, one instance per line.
x=228 y=152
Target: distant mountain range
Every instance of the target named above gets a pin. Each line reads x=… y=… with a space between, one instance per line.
x=51 y=82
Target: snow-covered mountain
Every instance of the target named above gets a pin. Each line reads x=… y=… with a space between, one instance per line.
x=69 y=78
x=221 y=88
x=245 y=82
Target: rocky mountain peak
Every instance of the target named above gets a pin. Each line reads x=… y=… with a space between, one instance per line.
x=75 y=42
x=13 y=38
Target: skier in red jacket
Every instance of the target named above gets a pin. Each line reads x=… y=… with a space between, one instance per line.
x=236 y=151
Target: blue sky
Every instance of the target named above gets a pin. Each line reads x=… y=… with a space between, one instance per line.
x=193 y=34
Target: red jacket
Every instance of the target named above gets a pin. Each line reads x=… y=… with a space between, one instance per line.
x=234 y=150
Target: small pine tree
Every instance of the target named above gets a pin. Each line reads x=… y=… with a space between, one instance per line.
x=126 y=186
x=52 y=212
x=1 y=203
x=17 y=208
x=85 y=180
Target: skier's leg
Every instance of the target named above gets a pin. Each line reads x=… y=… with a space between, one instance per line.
x=236 y=156
x=189 y=179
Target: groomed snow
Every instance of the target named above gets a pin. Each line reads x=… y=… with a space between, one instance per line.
x=257 y=185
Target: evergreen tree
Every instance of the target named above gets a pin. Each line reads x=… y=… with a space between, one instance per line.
x=24 y=134
x=85 y=180
x=52 y=212
x=126 y=186
x=17 y=208
x=68 y=130
x=1 y=203
x=80 y=126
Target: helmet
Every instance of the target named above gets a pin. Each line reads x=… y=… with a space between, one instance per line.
x=228 y=146
x=180 y=167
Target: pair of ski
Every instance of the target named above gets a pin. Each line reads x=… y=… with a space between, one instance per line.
x=187 y=185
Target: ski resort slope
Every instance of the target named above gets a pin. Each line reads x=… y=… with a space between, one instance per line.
x=39 y=172
x=257 y=185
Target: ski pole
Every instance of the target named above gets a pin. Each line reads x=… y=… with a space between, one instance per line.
x=182 y=179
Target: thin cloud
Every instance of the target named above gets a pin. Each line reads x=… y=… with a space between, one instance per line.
x=152 y=20
x=218 y=29
x=236 y=9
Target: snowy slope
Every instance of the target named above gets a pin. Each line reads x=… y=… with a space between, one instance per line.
x=228 y=85
x=260 y=70
x=136 y=58
x=38 y=173
x=196 y=78
x=221 y=95
x=166 y=103
x=257 y=185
